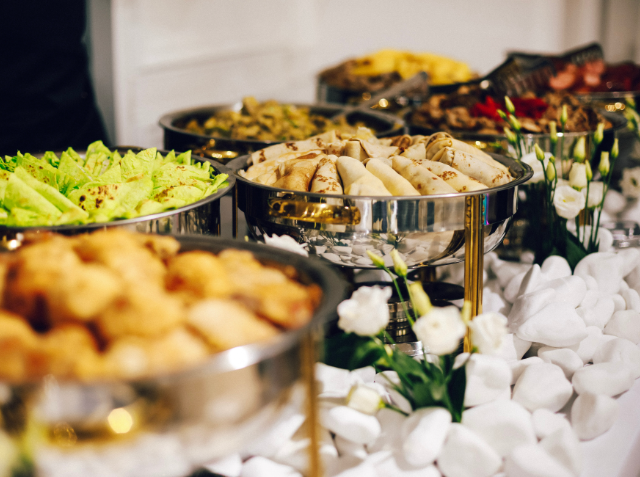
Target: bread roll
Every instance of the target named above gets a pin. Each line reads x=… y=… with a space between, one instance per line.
x=473 y=167
x=326 y=180
x=393 y=182
x=297 y=174
x=424 y=181
x=357 y=180
x=454 y=178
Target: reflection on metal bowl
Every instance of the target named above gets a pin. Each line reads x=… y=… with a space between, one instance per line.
x=168 y=425
x=428 y=230
x=225 y=149
x=201 y=217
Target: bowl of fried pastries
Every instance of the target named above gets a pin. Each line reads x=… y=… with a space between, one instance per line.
x=121 y=353
x=344 y=197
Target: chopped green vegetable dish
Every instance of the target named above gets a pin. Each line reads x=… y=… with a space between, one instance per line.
x=99 y=187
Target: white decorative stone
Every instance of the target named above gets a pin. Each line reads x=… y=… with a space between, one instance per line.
x=542 y=386
x=392 y=466
x=570 y=290
x=351 y=424
x=619 y=303
x=518 y=367
x=556 y=267
x=511 y=291
x=390 y=435
x=423 y=435
x=593 y=415
x=346 y=447
x=349 y=466
x=487 y=378
x=230 y=466
x=624 y=286
x=547 y=422
x=557 y=325
x=620 y=351
x=505 y=271
x=609 y=379
x=633 y=279
x=564 y=446
x=295 y=452
x=262 y=467
x=591 y=282
x=507 y=350
x=333 y=382
x=588 y=346
x=522 y=346
x=533 y=461
x=504 y=425
x=493 y=302
x=606 y=268
x=528 y=305
x=624 y=324
x=630 y=259
x=567 y=359
x=366 y=374
x=598 y=314
x=631 y=299
x=466 y=454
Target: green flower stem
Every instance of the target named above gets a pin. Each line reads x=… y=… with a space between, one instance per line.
x=394 y=408
x=562 y=153
x=413 y=305
x=388 y=336
x=404 y=306
x=605 y=189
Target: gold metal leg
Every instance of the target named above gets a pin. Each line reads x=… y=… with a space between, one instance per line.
x=474 y=257
x=234 y=213
x=309 y=357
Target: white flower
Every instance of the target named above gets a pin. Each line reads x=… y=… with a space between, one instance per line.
x=578 y=176
x=487 y=332
x=630 y=182
x=364 y=399
x=596 y=189
x=568 y=202
x=286 y=242
x=366 y=313
x=440 y=330
x=531 y=160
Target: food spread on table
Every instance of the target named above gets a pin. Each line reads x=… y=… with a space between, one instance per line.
x=268 y=121
x=99 y=186
x=471 y=109
x=364 y=165
x=384 y=68
x=114 y=304
x=596 y=77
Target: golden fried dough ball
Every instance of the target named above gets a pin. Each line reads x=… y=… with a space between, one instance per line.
x=162 y=246
x=226 y=324
x=121 y=252
x=286 y=304
x=132 y=357
x=198 y=275
x=18 y=343
x=143 y=310
x=71 y=351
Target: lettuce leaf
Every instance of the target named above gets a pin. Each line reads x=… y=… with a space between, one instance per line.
x=19 y=195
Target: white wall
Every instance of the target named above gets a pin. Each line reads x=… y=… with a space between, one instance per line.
x=173 y=54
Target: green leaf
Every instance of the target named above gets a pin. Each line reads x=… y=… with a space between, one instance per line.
x=575 y=251
x=422 y=396
x=340 y=350
x=456 y=389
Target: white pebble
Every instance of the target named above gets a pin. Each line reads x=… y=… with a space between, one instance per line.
x=503 y=424
x=588 y=346
x=423 y=435
x=533 y=461
x=606 y=268
x=487 y=378
x=262 y=467
x=593 y=415
x=512 y=290
x=508 y=349
x=556 y=267
x=557 y=325
x=624 y=324
x=630 y=259
x=333 y=382
x=230 y=466
x=390 y=435
x=542 y=386
x=609 y=379
x=346 y=447
x=351 y=424
x=564 y=446
x=528 y=305
x=546 y=422
x=391 y=467
x=570 y=290
x=631 y=299
x=567 y=359
x=505 y=271
x=518 y=367
x=598 y=314
x=522 y=346
x=621 y=351
x=618 y=302
x=591 y=282
x=466 y=454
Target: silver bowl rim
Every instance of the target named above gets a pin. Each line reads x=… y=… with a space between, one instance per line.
x=617 y=123
x=333 y=292
x=145 y=218
x=240 y=162
x=166 y=121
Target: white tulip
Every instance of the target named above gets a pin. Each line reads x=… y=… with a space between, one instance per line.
x=440 y=330
x=568 y=202
x=630 y=182
x=578 y=176
x=596 y=189
x=531 y=160
x=366 y=313
x=364 y=399
x=487 y=332
x=286 y=242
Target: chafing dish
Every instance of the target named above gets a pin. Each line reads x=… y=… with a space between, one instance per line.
x=428 y=230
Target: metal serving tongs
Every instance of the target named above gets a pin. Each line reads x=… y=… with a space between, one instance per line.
x=395 y=90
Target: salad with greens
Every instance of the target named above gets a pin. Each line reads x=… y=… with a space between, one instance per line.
x=100 y=186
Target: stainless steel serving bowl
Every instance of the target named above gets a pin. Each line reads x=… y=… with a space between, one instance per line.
x=201 y=217
x=169 y=425
x=224 y=149
x=426 y=230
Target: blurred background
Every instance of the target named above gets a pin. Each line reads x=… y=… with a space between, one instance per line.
x=149 y=57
